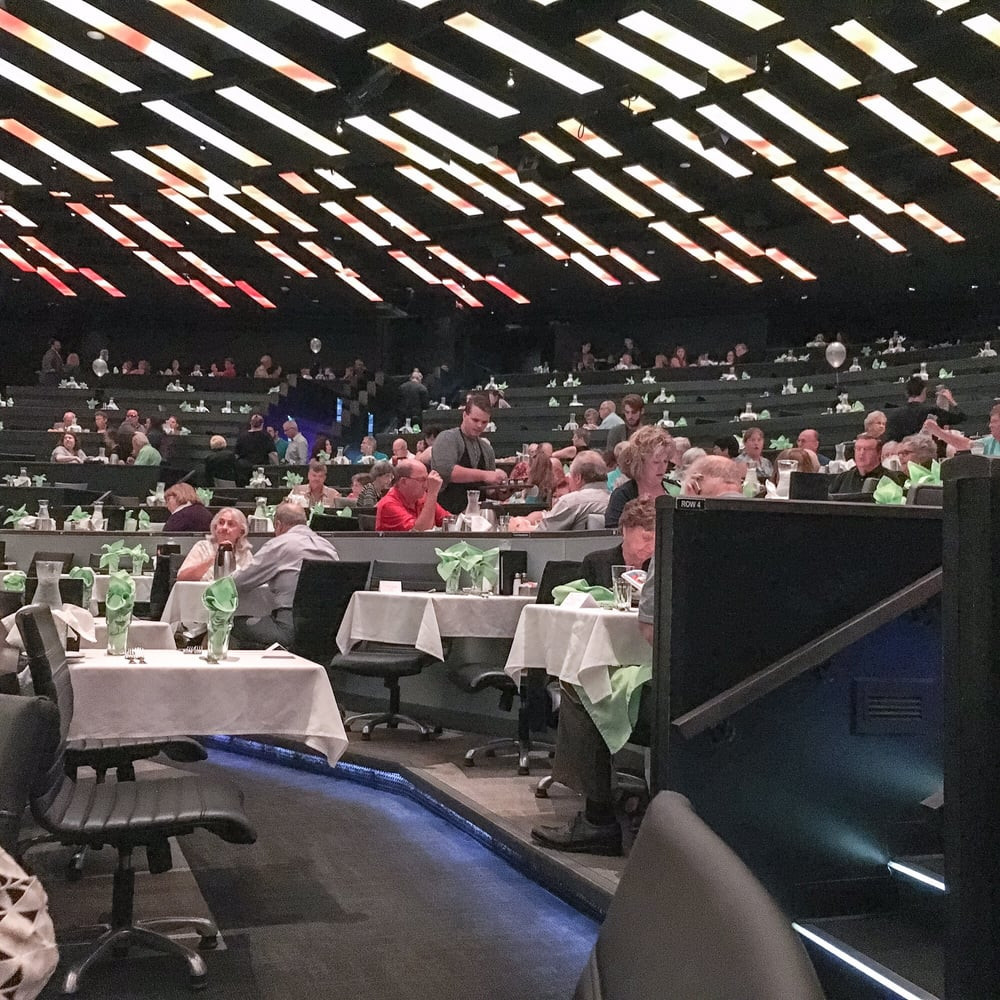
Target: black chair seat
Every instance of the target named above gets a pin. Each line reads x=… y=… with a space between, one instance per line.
x=375 y=660
x=474 y=677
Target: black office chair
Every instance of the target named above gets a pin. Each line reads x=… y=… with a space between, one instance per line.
x=10 y=601
x=164 y=577
x=388 y=661
x=689 y=913
x=321 y=597
x=331 y=522
x=66 y=558
x=535 y=706
x=366 y=522
x=925 y=495
x=129 y=502
x=22 y=736
x=126 y=815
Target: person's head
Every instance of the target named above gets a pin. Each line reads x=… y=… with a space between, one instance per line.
x=416 y=375
x=730 y=358
x=681 y=447
x=581 y=438
x=587 y=467
x=680 y=353
x=229 y=525
x=290 y=428
x=727 y=446
x=808 y=438
x=476 y=415
x=323 y=446
x=916 y=389
x=431 y=432
x=316 y=476
x=875 y=423
x=359 y=481
x=101 y=420
x=921 y=449
x=804 y=458
x=753 y=442
x=400 y=449
x=171 y=424
x=591 y=416
x=382 y=475
x=256 y=422
x=712 y=476
x=69 y=418
x=411 y=480
x=606 y=408
x=867 y=453
x=287 y=516
x=216 y=442
x=632 y=407
x=69 y=442
x=139 y=441
x=265 y=361
x=132 y=416
x=638 y=524
x=368 y=445
x=660 y=361
x=646 y=456
x=995 y=421
x=56 y=345
x=180 y=495
x=690 y=455
x=626 y=359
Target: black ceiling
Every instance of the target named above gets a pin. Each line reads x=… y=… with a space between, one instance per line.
x=850 y=266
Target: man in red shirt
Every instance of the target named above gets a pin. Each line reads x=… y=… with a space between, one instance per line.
x=411 y=504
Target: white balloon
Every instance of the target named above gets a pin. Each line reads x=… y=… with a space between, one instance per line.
x=315 y=345
x=836 y=354
x=100 y=367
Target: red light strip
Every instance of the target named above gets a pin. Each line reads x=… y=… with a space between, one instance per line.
x=242 y=213
x=459 y=292
x=299 y=183
x=157 y=265
x=148 y=167
x=262 y=300
x=287 y=259
x=60 y=286
x=19 y=217
x=502 y=286
x=143 y=223
x=95 y=220
x=728 y=233
x=216 y=276
x=272 y=205
x=879 y=236
x=577 y=235
x=53 y=94
x=421 y=179
x=213 y=222
x=102 y=283
x=684 y=242
x=324 y=255
x=49 y=255
x=15 y=258
x=532 y=236
x=744 y=273
x=459 y=265
x=418 y=269
x=203 y=289
x=352 y=279
x=482 y=188
x=792 y=266
x=592 y=267
x=936 y=226
x=633 y=265
x=32 y=138
x=394 y=220
x=810 y=199
x=978 y=173
x=210 y=181
x=363 y=229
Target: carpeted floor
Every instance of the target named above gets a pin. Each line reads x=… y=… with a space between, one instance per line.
x=355 y=893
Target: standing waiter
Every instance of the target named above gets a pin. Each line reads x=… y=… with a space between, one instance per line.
x=464 y=458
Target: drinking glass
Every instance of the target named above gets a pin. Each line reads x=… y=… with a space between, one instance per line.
x=621 y=587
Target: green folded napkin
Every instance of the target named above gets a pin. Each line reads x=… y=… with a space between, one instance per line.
x=293 y=479
x=221 y=600
x=77 y=514
x=139 y=520
x=184 y=430
x=139 y=557
x=764 y=415
x=745 y=375
x=318 y=509
x=553 y=401
x=670 y=399
x=15 y=517
x=750 y=487
x=858 y=406
x=345 y=512
x=113 y=553
x=806 y=388
x=13 y=582
x=616 y=715
x=118 y=610
x=780 y=443
x=599 y=594
x=919 y=476
x=184 y=406
x=673 y=489
x=480 y=564
x=38 y=480
x=205 y=495
x=86 y=574
x=888 y=492
x=681 y=422
x=945 y=374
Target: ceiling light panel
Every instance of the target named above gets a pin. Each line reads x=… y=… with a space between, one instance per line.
x=348 y=219
x=728 y=233
x=452 y=261
x=202 y=214
x=505 y=289
x=242 y=42
x=242 y=213
x=58 y=284
x=157 y=265
x=936 y=226
x=794 y=120
x=790 y=265
x=536 y=239
x=446 y=195
x=151 y=169
x=444 y=81
x=143 y=223
x=614 y=193
x=883 y=239
x=267 y=112
x=637 y=104
x=120 y=32
x=50 y=149
x=421 y=4
x=459 y=292
x=527 y=55
x=95 y=220
x=394 y=141
x=961 y=106
x=741 y=272
x=482 y=188
x=948 y=4
x=55 y=96
x=338 y=180
x=418 y=269
x=576 y=235
x=689 y=140
x=663 y=189
x=287 y=259
x=102 y=283
x=810 y=199
x=873 y=196
x=814 y=61
x=262 y=300
x=684 y=242
x=81 y=63
x=633 y=265
x=687 y=46
x=907 y=124
x=299 y=183
x=743 y=133
x=19 y=217
x=217 y=276
x=873 y=46
x=15 y=258
x=979 y=174
x=548 y=149
x=351 y=278
x=50 y=255
x=636 y=61
x=193 y=169
x=753 y=15
x=986 y=25
x=592 y=267
x=202 y=289
x=590 y=139
x=322 y=17
x=394 y=220
x=274 y=206
x=11 y=172
x=206 y=133
x=321 y=253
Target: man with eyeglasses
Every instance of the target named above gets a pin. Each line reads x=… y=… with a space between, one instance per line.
x=411 y=504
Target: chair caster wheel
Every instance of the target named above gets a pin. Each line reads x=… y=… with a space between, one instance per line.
x=522 y=771
x=438 y=730
x=366 y=734
x=469 y=762
x=541 y=793
x=209 y=942
x=73 y=874
x=425 y=737
x=197 y=983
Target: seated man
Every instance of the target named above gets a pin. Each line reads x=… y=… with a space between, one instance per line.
x=583 y=761
x=411 y=504
x=809 y=439
x=867 y=465
x=68 y=423
x=276 y=566
x=588 y=484
x=315 y=489
x=638 y=524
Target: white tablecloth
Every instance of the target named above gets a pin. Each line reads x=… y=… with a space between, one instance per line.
x=149 y=635
x=173 y=693
x=422 y=620
x=577 y=645
x=184 y=603
x=143 y=584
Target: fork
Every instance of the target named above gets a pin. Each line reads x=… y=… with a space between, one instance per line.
x=130 y=654
x=140 y=654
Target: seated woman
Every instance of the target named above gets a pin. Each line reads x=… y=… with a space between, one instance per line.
x=68 y=450
x=546 y=479
x=753 y=452
x=382 y=475
x=322 y=449
x=315 y=489
x=229 y=525
x=679 y=358
x=591 y=419
x=358 y=482
x=806 y=461
x=187 y=512
x=644 y=460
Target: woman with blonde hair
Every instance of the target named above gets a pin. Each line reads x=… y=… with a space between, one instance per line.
x=229 y=525
x=644 y=461
x=804 y=459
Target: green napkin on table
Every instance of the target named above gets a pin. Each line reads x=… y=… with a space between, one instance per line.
x=139 y=521
x=113 y=553
x=15 y=517
x=86 y=574
x=780 y=443
x=345 y=512
x=673 y=489
x=221 y=600
x=480 y=564
x=205 y=495
x=764 y=415
x=13 y=582
x=888 y=492
x=77 y=514
x=553 y=401
x=681 y=422
x=292 y=479
x=945 y=374
x=919 y=476
x=118 y=610
x=318 y=509
x=599 y=594
x=139 y=557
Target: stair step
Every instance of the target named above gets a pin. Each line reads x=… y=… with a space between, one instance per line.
x=892 y=951
x=924 y=870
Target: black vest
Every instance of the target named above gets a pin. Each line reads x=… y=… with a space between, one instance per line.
x=453 y=496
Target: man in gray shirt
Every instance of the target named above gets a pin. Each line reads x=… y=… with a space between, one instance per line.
x=297 y=452
x=588 y=479
x=609 y=416
x=276 y=566
x=464 y=458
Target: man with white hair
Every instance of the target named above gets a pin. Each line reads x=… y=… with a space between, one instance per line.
x=68 y=423
x=588 y=485
x=297 y=452
x=609 y=418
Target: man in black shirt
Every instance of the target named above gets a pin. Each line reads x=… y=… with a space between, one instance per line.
x=867 y=465
x=254 y=447
x=909 y=419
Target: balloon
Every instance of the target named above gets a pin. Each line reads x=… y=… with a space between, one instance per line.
x=836 y=354
x=100 y=367
x=315 y=345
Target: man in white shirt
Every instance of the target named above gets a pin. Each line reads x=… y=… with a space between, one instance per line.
x=609 y=418
x=297 y=452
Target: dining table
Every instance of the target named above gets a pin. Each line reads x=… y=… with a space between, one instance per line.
x=184 y=603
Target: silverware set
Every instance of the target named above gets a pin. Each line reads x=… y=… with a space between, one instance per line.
x=135 y=654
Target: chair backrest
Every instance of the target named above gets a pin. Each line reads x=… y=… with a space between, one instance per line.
x=925 y=495
x=366 y=522
x=556 y=573
x=595 y=522
x=119 y=501
x=25 y=727
x=690 y=914
x=10 y=601
x=225 y=484
x=512 y=562
x=114 y=518
x=809 y=486
x=164 y=577
x=71 y=591
x=869 y=485
x=413 y=576
x=321 y=598
x=332 y=522
x=66 y=558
